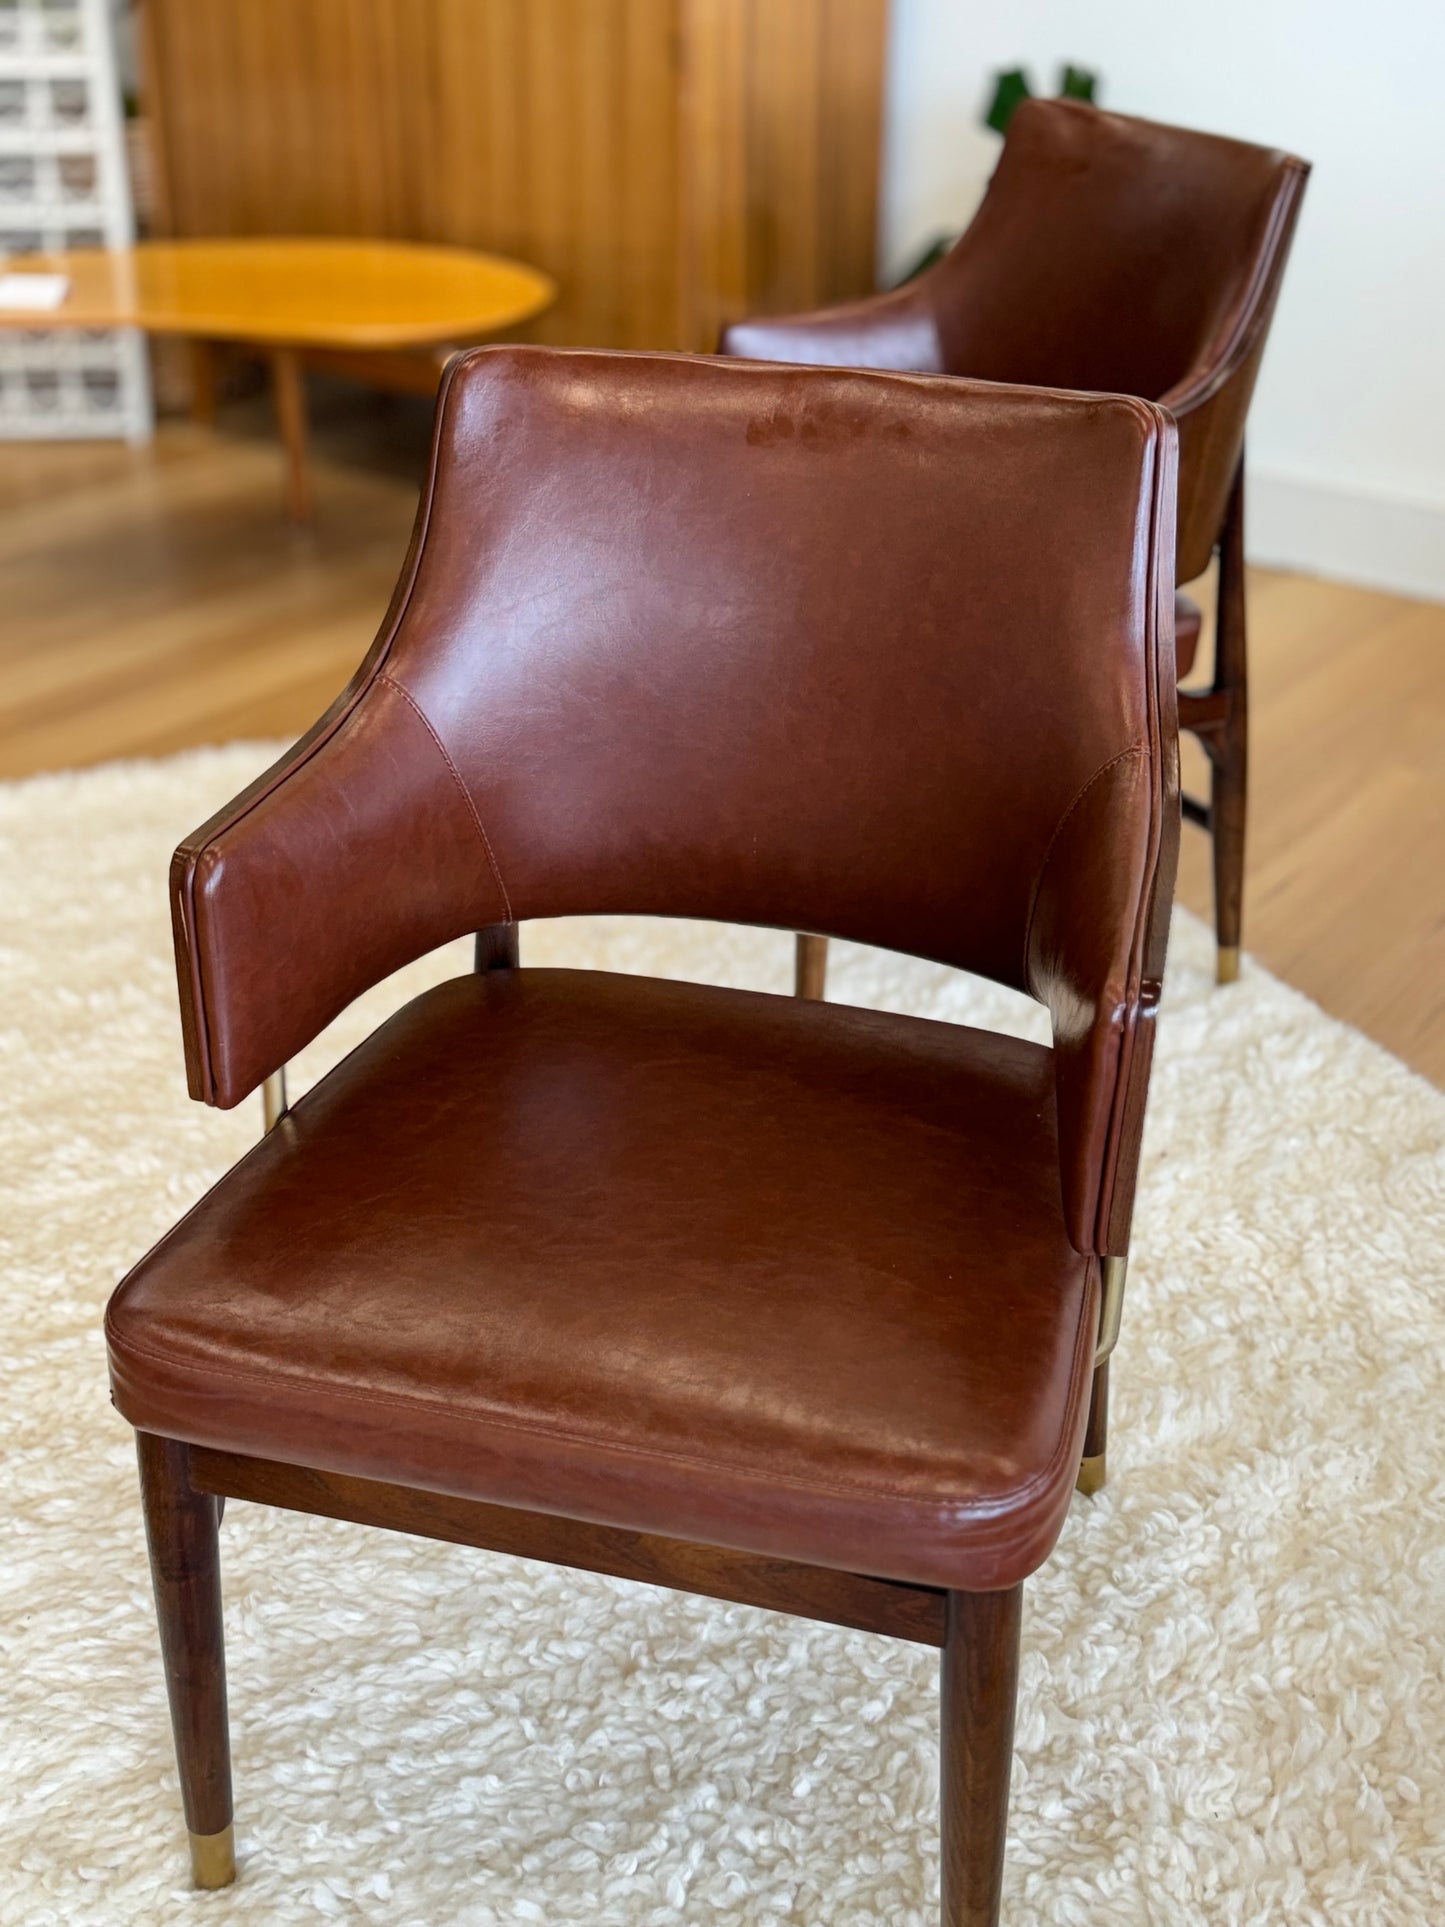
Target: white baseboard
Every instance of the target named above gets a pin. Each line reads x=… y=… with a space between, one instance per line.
x=1352 y=535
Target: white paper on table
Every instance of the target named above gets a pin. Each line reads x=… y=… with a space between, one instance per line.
x=33 y=290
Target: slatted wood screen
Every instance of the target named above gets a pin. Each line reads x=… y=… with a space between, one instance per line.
x=671 y=163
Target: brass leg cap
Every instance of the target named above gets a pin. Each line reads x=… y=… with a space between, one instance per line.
x=1092 y=1475
x=213 y=1858
x=1228 y=970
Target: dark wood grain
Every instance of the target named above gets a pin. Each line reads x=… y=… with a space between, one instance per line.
x=1096 y=1438
x=181 y=1531
x=979 y=1688
x=290 y=387
x=498 y=947
x=810 y=975
x=1196 y=812
x=204 y=383
x=1219 y=717
x=1093 y=1469
x=811 y=1592
x=1229 y=799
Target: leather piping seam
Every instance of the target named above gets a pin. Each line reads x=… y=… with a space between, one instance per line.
x=456 y=775
x=1133 y=993
x=1200 y=387
x=1138 y=950
x=838 y=1487
x=1133 y=749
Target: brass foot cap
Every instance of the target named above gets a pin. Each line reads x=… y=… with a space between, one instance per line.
x=213 y=1858
x=1228 y=969
x=1092 y=1475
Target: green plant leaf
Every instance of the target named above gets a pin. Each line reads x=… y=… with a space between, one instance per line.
x=1077 y=83
x=1010 y=88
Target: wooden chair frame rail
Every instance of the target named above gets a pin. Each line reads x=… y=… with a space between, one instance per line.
x=916 y=1613
x=184 y=1489
x=1219 y=717
x=1216 y=715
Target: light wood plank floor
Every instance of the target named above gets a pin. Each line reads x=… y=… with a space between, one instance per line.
x=154 y=599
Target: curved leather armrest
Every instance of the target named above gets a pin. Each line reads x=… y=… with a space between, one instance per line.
x=351 y=856
x=896 y=331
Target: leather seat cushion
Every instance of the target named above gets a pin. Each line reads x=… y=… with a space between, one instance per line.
x=1187 y=623
x=782 y=1276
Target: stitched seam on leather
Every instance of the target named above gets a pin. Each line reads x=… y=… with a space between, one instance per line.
x=466 y=794
x=392 y=1401
x=1134 y=749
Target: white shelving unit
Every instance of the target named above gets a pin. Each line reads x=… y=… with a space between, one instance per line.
x=63 y=184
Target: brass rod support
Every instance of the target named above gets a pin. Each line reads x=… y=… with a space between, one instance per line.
x=1111 y=1308
x=273 y=1098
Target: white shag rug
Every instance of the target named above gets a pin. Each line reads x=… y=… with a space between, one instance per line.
x=1232 y=1705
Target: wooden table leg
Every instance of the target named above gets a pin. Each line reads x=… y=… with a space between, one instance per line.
x=291 y=416
x=203 y=383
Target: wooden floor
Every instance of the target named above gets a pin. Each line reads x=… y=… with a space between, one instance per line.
x=153 y=599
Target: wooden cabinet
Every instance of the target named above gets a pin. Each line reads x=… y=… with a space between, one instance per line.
x=673 y=164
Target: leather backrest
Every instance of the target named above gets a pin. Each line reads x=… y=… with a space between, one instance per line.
x=879 y=656
x=1117 y=254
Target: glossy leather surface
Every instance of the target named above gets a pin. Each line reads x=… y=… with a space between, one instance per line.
x=885 y=656
x=1108 y=253
x=784 y=1277
x=769 y=645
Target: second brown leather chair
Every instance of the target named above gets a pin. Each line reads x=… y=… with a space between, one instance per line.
x=770 y=1300
x=1114 y=254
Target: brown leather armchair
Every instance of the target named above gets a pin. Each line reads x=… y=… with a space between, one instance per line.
x=1119 y=255
x=771 y=1300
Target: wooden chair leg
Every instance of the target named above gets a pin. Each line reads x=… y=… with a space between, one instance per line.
x=1229 y=752
x=1093 y=1470
x=811 y=972
x=980 y=1682
x=289 y=384
x=203 y=383
x=1227 y=810
x=498 y=947
x=181 y=1529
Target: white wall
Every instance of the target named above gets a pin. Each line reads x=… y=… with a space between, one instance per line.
x=1347 y=434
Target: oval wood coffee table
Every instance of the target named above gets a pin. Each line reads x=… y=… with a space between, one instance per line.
x=293 y=298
